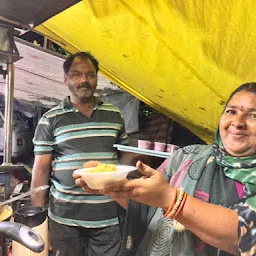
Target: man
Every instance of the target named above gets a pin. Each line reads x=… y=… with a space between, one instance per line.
x=79 y=129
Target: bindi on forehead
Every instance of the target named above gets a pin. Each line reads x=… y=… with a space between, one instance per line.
x=241 y=108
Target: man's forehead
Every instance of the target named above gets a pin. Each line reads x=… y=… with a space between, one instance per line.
x=79 y=61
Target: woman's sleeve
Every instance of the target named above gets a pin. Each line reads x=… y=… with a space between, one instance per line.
x=246 y=229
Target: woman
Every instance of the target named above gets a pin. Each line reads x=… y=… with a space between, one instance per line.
x=222 y=174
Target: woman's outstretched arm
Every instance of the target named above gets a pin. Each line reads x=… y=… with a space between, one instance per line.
x=215 y=225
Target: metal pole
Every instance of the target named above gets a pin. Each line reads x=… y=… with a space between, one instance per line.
x=8 y=117
x=45 y=42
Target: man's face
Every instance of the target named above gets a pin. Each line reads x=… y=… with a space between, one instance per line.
x=81 y=80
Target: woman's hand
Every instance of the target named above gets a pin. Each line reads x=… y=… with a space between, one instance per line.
x=79 y=181
x=151 y=189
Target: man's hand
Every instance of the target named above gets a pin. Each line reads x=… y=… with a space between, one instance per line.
x=80 y=182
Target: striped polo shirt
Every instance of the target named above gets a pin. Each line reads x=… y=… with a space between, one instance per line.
x=73 y=139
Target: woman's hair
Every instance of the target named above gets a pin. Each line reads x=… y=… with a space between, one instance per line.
x=248 y=87
x=84 y=55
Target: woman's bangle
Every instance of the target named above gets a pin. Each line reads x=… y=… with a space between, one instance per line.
x=172 y=203
x=181 y=205
x=175 y=207
x=178 y=202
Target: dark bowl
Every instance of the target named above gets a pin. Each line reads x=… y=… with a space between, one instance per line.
x=31 y=216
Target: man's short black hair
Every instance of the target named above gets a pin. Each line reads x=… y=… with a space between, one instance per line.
x=85 y=55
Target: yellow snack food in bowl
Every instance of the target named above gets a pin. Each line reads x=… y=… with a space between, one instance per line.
x=6 y=212
x=103 y=168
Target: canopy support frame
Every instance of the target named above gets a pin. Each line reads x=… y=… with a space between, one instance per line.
x=8 y=117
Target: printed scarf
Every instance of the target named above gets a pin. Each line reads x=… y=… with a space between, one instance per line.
x=241 y=169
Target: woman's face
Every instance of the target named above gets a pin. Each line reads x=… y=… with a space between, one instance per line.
x=238 y=125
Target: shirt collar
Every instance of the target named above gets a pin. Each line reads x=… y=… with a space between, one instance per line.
x=66 y=103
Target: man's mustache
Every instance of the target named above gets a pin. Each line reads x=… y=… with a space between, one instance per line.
x=84 y=85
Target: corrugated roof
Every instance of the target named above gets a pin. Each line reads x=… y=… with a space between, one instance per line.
x=39 y=77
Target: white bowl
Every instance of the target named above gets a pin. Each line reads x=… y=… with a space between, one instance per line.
x=101 y=179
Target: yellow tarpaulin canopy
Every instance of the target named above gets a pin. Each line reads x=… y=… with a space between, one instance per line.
x=181 y=57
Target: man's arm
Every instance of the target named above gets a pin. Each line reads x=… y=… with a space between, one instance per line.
x=40 y=176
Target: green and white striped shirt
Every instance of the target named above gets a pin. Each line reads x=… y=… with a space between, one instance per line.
x=73 y=139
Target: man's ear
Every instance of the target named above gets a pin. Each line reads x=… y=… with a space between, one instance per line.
x=65 y=79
